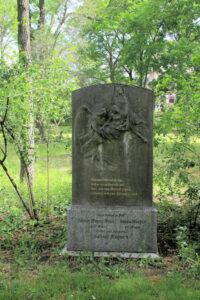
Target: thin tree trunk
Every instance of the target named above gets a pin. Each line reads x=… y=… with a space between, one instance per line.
x=130 y=75
x=24 y=28
x=22 y=171
x=2 y=40
x=48 y=177
x=25 y=57
x=145 y=80
x=42 y=14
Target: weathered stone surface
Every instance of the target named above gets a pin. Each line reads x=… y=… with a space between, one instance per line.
x=112 y=229
x=112 y=209
x=112 y=145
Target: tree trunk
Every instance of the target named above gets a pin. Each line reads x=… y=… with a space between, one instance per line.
x=130 y=73
x=25 y=57
x=42 y=14
x=2 y=40
x=24 y=29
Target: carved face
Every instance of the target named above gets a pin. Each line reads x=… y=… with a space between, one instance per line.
x=115 y=112
x=101 y=117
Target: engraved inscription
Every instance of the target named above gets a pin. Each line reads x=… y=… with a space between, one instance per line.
x=114 y=187
x=112 y=226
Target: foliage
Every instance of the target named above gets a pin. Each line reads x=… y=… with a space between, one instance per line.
x=177 y=134
x=51 y=37
x=171 y=218
x=124 y=41
x=8 y=32
x=48 y=90
x=176 y=142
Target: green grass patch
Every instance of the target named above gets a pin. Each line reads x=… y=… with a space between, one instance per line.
x=57 y=282
x=60 y=180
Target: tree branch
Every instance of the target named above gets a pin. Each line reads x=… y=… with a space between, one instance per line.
x=5 y=145
x=6 y=112
x=62 y=21
x=3 y=127
x=17 y=190
x=2 y=123
x=90 y=18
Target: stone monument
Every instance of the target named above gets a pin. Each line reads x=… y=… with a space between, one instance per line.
x=112 y=211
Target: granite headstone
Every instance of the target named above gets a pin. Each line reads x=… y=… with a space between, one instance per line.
x=112 y=208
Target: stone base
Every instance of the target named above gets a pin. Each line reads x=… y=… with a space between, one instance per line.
x=128 y=230
x=109 y=254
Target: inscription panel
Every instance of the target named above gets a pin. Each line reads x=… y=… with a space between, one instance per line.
x=112 y=229
x=103 y=223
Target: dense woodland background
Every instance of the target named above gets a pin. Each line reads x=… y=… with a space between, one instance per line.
x=49 y=48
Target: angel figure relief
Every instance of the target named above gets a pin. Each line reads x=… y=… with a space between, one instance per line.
x=105 y=127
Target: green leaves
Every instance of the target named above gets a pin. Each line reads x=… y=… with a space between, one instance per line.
x=125 y=41
x=49 y=90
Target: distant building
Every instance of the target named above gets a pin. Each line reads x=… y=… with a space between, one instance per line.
x=168 y=99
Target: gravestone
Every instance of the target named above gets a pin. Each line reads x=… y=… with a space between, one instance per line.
x=112 y=212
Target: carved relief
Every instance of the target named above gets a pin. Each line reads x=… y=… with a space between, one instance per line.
x=104 y=126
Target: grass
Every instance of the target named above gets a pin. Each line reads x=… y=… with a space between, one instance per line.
x=59 y=174
x=57 y=282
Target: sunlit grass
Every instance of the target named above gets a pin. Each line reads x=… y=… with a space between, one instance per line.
x=59 y=179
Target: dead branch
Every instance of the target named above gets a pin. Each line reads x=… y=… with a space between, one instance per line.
x=17 y=190
x=28 y=177
x=3 y=127
x=2 y=123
